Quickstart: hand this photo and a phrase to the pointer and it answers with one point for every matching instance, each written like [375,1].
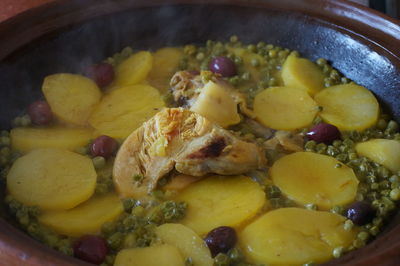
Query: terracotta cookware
[64,36]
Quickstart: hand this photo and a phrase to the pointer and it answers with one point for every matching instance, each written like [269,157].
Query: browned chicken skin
[179,139]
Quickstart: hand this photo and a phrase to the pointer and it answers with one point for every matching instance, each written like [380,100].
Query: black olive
[360,213]
[221,240]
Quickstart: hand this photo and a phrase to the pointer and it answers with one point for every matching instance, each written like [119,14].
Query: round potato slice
[311,178]
[348,106]
[71,97]
[52,179]
[229,200]
[294,236]
[285,108]
[301,73]
[134,69]
[87,218]
[125,109]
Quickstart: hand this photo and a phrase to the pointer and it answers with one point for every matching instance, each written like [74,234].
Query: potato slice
[165,64]
[165,255]
[311,178]
[187,241]
[86,218]
[284,108]
[216,104]
[383,151]
[294,236]
[52,179]
[301,73]
[26,139]
[218,200]
[133,70]
[71,97]
[125,109]
[348,106]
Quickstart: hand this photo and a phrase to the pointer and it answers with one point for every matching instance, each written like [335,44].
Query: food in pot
[215,154]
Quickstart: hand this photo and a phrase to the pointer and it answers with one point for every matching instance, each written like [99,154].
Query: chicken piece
[285,140]
[181,139]
[186,87]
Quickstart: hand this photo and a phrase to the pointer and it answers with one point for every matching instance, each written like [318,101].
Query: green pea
[251,48]
[246,76]
[374,230]
[321,62]
[344,80]
[337,252]
[238,60]
[25,121]
[115,240]
[127,51]
[395,194]
[269,46]
[221,260]
[235,254]
[381,124]
[234,39]
[200,56]
[272,53]
[4,140]
[82,150]
[255,62]
[363,236]
[348,225]
[321,147]
[310,144]
[311,206]
[261,45]
[99,162]
[234,80]
[392,127]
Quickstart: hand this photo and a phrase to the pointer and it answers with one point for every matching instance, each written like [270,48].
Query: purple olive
[40,113]
[360,213]
[91,248]
[221,240]
[104,146]
[223,65]
[323,132]
[103,74]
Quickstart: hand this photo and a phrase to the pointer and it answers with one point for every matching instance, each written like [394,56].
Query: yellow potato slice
[52,179]
[311,178]
[133,70]
[27,139]
[86,218]
[71,97]
[125,109]
[165,64]
[216,104]
[187,241]
[165,255]
[301,73]
[218,200]
[349,107]
[294,236]
[383,151]
[285,108]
